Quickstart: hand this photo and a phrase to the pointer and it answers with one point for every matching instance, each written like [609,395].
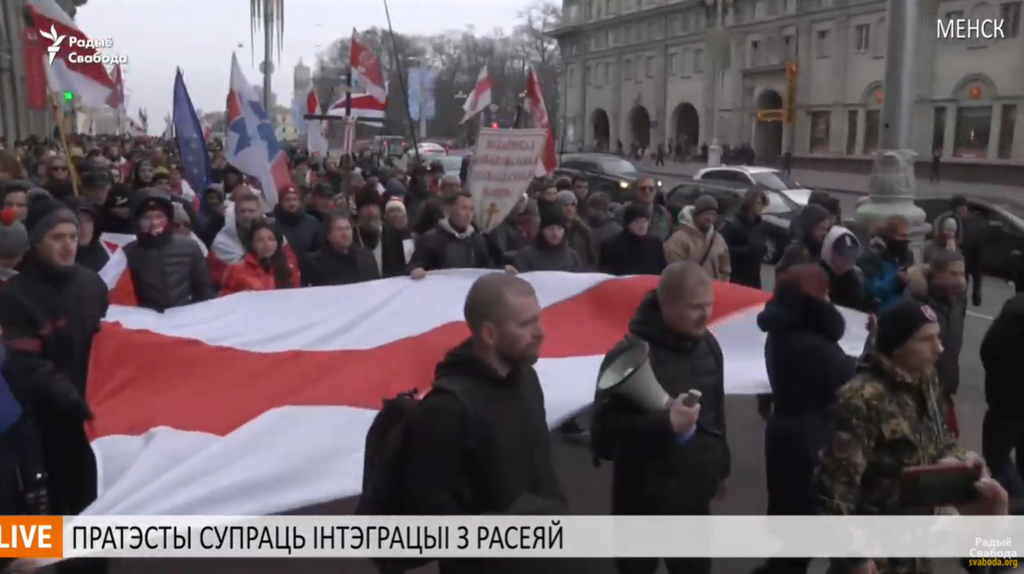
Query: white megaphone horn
[630,376]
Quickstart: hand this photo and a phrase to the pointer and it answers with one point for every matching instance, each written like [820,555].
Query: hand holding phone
[692,398]
[944,484]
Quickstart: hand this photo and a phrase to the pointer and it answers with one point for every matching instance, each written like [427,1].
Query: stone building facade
[639,71]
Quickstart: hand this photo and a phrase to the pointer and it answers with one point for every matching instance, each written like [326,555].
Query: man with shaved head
[673,461]
[478,443]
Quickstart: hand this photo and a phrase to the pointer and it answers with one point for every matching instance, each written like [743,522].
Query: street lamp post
[892,178]
[716,11]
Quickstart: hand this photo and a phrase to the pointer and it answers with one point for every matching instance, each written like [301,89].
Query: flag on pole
[195,161]
[143,121]
[316,139]
[251,143]
[479,98]
[534,103]
[366,70]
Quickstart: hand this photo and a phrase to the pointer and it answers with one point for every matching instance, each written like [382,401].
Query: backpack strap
[479,492]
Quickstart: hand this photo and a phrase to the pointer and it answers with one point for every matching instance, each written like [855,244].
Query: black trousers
[673,565]
[1001,434]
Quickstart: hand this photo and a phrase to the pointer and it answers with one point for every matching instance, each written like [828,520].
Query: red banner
[35,74]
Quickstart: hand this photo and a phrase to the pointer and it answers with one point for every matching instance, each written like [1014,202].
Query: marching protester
[339,261]
[321,200]
[265,266]
[517,230]
[634,251]
[91,253]
[15,196]
[696,239]
[644,193]
[1002,430]
[886,262]
[13,243]
[49,313]
[599,217]
[453,244]
[382,241]
[302,230]
[167,270]
[577,234]
[744,239]
[581,189]
[550,251]
[675,461]
[839,254]
[942,285]
[801,322]
[968,236]
[890,416]
[486,393]
[809,229]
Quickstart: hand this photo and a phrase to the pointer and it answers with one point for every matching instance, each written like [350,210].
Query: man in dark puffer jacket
[167,270]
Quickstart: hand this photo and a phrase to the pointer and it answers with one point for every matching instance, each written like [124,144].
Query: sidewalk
[1010,197]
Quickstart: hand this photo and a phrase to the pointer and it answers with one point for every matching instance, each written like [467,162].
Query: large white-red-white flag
[253,386]
[366,109]
[316,130]
[534,104]
[89,81]
[365,67]
[479,98]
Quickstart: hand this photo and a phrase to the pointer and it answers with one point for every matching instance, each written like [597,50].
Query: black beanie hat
[551,216]
[367,196]
[155,202]
[899,323]
[44,215]
[811,215]
[634,211]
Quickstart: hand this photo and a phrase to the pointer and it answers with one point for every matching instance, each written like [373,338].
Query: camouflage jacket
[882,422]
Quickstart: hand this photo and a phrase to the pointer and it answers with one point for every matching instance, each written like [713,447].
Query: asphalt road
[588,488]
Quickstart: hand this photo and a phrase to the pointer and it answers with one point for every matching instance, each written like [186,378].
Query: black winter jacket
[1002,356]
[303,231]
[442,248]
[167,271]
[329,267]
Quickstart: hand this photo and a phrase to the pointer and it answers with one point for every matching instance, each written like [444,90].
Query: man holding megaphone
[660,411]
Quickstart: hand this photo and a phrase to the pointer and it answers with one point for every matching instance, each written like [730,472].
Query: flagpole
[59,113]
[401,82]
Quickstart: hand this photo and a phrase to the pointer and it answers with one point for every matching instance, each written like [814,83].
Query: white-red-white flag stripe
[211,408]
[479,98]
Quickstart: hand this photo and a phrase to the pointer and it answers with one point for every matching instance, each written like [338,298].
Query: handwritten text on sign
[503,165]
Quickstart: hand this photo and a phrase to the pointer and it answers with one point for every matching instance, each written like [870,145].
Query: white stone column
[862,117]
[993,132]
[949,140]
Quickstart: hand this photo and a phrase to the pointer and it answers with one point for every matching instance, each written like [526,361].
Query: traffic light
[494,125]
[792,72]
[68,96]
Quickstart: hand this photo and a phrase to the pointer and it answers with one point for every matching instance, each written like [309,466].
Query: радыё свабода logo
[96,57]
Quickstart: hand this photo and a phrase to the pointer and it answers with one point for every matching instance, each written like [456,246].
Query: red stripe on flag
[140,380]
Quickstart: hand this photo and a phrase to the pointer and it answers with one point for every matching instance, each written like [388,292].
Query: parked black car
[604,172]
[775,220]
[1002,240]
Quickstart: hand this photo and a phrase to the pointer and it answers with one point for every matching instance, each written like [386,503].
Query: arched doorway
[602,128]
[640,126]
[768,135]
[686,126]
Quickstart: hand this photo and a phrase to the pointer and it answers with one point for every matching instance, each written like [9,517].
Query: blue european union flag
[195,161]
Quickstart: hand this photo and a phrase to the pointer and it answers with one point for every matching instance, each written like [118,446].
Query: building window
[698,61]
[684,64]
[862,37]
[973,124]
[588,10]
[872,130]
[638,74]
[939,131]
[672,63]
[790,42]
[819,131]
[607,72]
[824,41]
[1006,127]
[673,24]
[755,54]
[590,75]
[652,31]
[851,132]
[636,33]
[649,66]
[774,7]
[627,69]
[1010,13]
[954,15]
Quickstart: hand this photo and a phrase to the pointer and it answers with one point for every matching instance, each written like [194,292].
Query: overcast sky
[157,36]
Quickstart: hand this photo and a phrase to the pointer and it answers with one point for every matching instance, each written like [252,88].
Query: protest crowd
[360,219]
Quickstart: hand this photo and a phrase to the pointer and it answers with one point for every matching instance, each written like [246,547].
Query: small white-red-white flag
[316,138]
[479,98]
[535,105]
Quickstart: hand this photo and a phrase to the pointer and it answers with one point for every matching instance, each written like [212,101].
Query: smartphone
[692,398]
[938,485]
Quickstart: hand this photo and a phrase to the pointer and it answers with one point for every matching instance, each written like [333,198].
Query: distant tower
[303,78]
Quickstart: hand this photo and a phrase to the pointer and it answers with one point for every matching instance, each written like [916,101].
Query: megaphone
[630,376]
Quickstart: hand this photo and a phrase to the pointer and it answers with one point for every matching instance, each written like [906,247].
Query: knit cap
[704,203]
[899,323]
[43,216]
[634,211]
[13,236]
[565,197]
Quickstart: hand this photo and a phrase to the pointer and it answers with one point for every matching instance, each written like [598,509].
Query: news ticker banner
[55,537]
